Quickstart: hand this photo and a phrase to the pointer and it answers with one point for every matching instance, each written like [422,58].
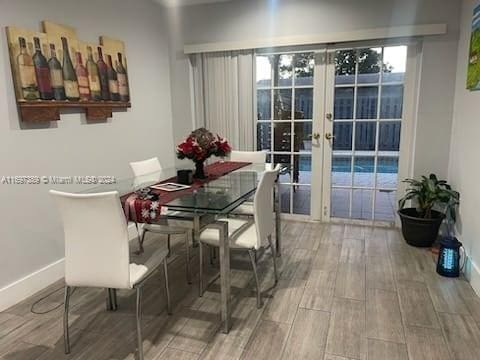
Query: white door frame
[405,166]
[319,93]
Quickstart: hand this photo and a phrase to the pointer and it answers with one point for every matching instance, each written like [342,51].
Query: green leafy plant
[432,194]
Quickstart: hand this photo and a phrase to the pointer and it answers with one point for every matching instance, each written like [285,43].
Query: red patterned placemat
[147,211]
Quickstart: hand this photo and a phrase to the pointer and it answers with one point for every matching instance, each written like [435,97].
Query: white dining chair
[149,171]
[246,209]
[97,251]
[247,235]
[254,157]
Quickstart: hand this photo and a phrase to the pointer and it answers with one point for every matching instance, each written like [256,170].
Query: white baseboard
[472,273]
[30,284]
[40,279]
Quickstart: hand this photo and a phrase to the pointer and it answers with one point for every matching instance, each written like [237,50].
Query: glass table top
[216,196]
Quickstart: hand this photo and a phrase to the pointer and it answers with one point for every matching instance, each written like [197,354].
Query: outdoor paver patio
[362,201]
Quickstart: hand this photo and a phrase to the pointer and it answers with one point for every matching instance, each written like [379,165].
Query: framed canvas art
[473,72]
[52,69]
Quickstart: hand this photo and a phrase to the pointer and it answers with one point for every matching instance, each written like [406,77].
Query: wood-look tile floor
[345,292]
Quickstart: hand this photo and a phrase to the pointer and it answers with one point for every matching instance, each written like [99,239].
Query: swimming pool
[386,165]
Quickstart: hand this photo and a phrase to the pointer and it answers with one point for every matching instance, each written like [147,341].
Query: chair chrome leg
[111,300]
[138,230]
[167,287]
[66,337]
[257,282]
[188,234]
[139,322]
[211,255]
[140,242]
[200,274]
[274,256]
[169,245]
[114,299]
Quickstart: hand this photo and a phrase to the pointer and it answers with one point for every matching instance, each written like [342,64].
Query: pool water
[366,165]
[386,165]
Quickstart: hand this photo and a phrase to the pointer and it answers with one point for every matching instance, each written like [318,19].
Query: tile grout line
[436,313]
[404,326]
[250,338]
[298,306]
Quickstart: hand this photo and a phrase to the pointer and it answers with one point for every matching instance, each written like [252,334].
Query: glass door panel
[363,153]
[285,106]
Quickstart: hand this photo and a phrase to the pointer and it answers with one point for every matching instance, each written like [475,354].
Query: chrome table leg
[196,230]
[200,273]
[278,223]
[224,256]
[188,237]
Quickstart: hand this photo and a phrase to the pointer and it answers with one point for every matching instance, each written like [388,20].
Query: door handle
[329,136]
[316,136]
[329,116]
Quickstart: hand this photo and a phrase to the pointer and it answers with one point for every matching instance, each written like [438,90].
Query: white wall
[30,233]
[251,19]
[464,171]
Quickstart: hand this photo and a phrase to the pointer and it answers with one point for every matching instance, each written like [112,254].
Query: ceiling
[173,3]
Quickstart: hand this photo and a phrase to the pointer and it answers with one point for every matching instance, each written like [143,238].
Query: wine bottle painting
[54,66]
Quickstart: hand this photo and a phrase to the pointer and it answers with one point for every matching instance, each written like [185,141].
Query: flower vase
[199,170]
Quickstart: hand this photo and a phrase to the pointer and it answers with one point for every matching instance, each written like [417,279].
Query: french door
[285,119]
[337,117]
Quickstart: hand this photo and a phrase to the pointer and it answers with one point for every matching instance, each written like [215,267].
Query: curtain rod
[328,38]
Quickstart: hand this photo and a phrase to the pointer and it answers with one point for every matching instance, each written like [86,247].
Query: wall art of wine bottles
[53,69]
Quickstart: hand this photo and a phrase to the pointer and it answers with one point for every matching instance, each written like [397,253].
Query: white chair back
[146,170]
[254,157]
[96,240]
[262,206]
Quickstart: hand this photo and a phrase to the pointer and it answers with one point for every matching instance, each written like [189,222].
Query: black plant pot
[419,231]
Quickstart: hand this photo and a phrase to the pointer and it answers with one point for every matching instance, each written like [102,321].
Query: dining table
[202,204]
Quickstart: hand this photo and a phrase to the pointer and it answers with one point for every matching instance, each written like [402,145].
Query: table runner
[148,211]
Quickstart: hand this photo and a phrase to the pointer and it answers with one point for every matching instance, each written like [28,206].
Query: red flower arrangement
[201,144]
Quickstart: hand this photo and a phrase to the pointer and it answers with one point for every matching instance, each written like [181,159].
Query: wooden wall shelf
[45,110]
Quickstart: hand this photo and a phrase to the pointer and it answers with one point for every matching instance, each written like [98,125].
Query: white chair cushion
[136,273]
[163,229]
[247,239]
[245,209]
[139,272]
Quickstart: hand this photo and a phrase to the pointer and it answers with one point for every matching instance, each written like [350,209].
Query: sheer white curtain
[223,95]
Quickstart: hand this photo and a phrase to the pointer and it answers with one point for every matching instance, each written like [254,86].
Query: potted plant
[434,199]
